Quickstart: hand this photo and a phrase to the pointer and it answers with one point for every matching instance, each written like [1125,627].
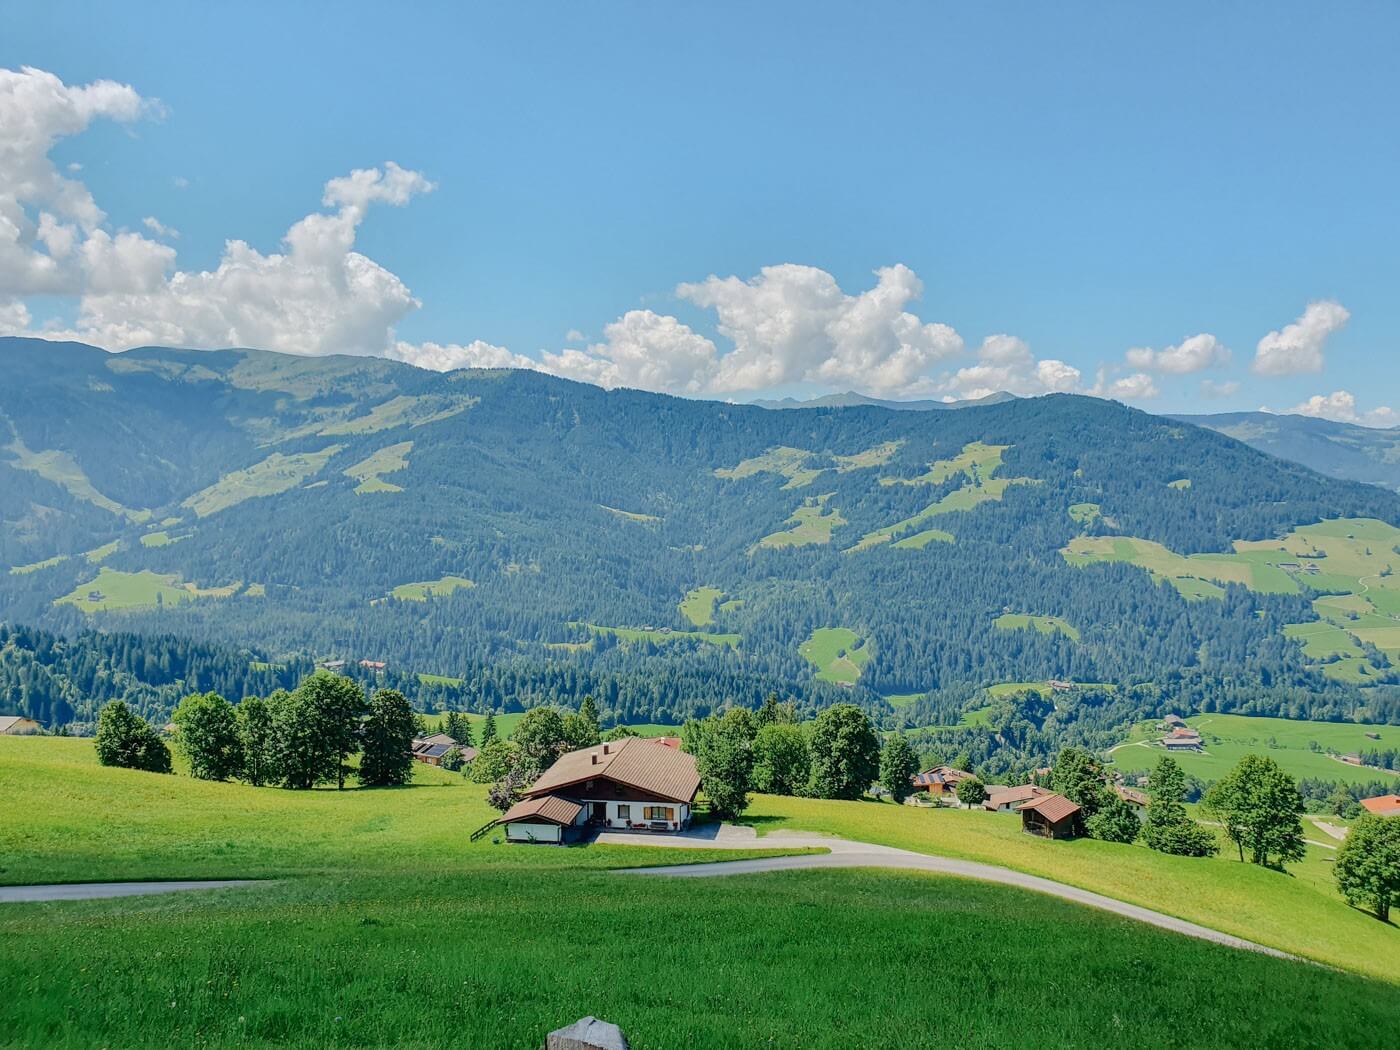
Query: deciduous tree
[1259,806]
[255,731]
[971,792]
[898,764]
[386,758]
[1368,865]
[845,753]
[725,764]
[125,739]
[209,736]
[781,762]
[1168,829]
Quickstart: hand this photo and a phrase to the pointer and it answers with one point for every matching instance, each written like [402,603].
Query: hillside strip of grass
[1296,912]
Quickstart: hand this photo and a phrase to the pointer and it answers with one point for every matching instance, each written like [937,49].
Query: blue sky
[1073,181]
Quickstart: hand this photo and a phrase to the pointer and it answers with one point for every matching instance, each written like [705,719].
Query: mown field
[386,927]
[1228,738]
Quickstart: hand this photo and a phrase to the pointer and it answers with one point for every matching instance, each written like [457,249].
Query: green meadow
[811,523]
[422,590]
[370,471]
[838,654]
[1299,747]
[113,590]
[275,474]
[698,606]
[1043,624]
[386,926]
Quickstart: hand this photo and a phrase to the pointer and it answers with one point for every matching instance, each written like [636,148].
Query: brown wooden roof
[1053,808]
[546,807]
[1012,795]
[638,762]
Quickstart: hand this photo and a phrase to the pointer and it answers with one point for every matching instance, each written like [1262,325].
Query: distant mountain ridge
[851,399]
[518,537]
[1339,450]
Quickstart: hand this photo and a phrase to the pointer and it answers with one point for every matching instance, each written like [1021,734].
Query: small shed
[1052,817]
[545,819]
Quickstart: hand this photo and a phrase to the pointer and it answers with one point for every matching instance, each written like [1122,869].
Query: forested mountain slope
[677,553]
[1342,450]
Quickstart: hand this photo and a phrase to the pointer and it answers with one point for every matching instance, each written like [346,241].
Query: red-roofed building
[1382,805]
[1051,816]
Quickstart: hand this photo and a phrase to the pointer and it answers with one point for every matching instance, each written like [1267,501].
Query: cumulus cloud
[1195,354]
[794,323]
[1224,388]
[1139,386]
[1005,362]
[644,350]
[1298,347]
[1340,405]
[14,317]
[443,357]
[159,228]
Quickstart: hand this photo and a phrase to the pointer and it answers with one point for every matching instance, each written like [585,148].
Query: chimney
[595,758]
[605,749]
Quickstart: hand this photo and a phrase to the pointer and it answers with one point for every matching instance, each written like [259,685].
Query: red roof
[1383,805]
[1053,808]
[548,807]
[638,762]
[1009,797]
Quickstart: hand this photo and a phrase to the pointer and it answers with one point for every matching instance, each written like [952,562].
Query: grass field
[1228,738]
[1043,624]
[698,606]
[98,555]
[370,471]
[838,654]
[161,538]
[63,470]
[422,590]
[876,456]
[138,590]
[811,523]
[629,515]
[920,540]
[1180,483]
[660,636]
[389,928]
[416,411]
[976,460]
[35,566]
[275,474]
[1085,513]
[789,463]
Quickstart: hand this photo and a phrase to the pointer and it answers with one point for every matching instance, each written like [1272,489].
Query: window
[659,813]
[624,812]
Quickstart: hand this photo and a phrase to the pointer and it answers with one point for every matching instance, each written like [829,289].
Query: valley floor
[386,926]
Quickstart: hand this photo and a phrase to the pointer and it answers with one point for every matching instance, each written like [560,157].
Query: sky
[1187,207]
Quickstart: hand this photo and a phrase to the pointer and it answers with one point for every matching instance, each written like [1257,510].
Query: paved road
[847,854]
[84,891]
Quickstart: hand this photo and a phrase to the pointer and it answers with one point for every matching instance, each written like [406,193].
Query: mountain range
[673,555]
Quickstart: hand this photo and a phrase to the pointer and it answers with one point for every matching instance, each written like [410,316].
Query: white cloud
[1136,387]
[159,228]
[179,182]
[1340,405]
[644,350]
[443,357]
[1195,354]
[14,317]
[1224,388]
[793,323]
[1298,347]
[1005,362]
[573,335]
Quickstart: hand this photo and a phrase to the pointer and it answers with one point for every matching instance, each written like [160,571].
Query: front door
[597,812]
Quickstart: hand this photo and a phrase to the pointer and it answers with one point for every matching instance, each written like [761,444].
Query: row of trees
[294,739]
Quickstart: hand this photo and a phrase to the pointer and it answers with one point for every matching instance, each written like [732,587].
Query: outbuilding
[545,819]
[1051,816]
[18,725]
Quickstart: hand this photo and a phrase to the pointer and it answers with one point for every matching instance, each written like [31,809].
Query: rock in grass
[587,1033]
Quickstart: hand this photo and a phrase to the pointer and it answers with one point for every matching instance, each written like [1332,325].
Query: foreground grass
[387,927]
[1298,912]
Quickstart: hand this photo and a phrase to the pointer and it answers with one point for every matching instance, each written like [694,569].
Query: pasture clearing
[111,590]
[661,635]
[629,515]
[877,456]
[64,471]
[811,523]
[1043,624]
[276,474]
[98,555]
[422,590]
[784,461]
[698,606]
[405,410]
[36,566]
[1085,513]
[838,654]
[370,471]
[977,460]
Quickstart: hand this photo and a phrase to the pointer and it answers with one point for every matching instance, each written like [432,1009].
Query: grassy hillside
[389,928]
[1299,747]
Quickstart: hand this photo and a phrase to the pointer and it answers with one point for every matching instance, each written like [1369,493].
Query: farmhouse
[1051,816]
[1382,805]
[1182,739]
[634,784]
[1173,721]
[17,725]
[1007,800]
[431,749]
[940,781]
[372,665]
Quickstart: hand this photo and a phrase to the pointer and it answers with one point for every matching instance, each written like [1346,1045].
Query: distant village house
[431,749]
[1382,805]
[940,781]
[18,725]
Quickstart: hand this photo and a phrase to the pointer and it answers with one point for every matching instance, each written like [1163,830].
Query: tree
[971,792]
[541,738]
[1078,776]
[386,758]
[775,713]
[1259,805]
[492,761]
[588,711]
[209,736]
[505,792]
[781,762]
[725,764]
[619,733]
[845,753]
[126,740]
[453,760]
[898,764]
[1168,828]
[305,756]
[581,727]
[458,727]
[488,728]
[1368,865]
[255,732]
[335,704]
[1114,820]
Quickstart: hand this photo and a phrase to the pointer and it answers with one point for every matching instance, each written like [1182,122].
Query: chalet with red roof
[1382,805]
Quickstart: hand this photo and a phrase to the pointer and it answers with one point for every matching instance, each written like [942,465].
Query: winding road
[847,854]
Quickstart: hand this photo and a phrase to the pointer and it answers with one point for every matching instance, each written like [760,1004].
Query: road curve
[847,854]
[86,891]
